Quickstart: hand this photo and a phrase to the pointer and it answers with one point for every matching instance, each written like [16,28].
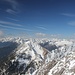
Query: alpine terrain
[20,56]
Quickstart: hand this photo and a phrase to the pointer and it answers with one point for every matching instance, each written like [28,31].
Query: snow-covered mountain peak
[39,57]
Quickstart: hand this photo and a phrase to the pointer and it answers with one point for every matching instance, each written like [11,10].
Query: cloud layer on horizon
[40,34]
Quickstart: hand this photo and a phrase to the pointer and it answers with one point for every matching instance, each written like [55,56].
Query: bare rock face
[45,68]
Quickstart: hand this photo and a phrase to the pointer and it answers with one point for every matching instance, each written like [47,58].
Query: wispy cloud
[13,3]
[72,23]
[9,23]
[11,11]
[13,6]
[69,15]
[15,28]
[12,19]
[1,33]
[40,27]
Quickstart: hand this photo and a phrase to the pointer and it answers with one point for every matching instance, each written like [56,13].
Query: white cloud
[40,34]
[15,28]
[9,23]
[11,11]
[1,33]
[40,27]
[12,19]
[72,23]
[49,35]
[55,35]
[69,15]
[13,6]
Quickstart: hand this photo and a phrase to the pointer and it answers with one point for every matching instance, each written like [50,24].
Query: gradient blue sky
[54,17]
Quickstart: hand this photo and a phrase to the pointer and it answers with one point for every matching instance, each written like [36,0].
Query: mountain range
[20,56]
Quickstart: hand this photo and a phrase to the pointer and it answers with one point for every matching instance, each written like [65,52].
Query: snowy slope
[40,57]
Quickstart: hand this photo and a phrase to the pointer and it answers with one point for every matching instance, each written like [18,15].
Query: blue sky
[51,17]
